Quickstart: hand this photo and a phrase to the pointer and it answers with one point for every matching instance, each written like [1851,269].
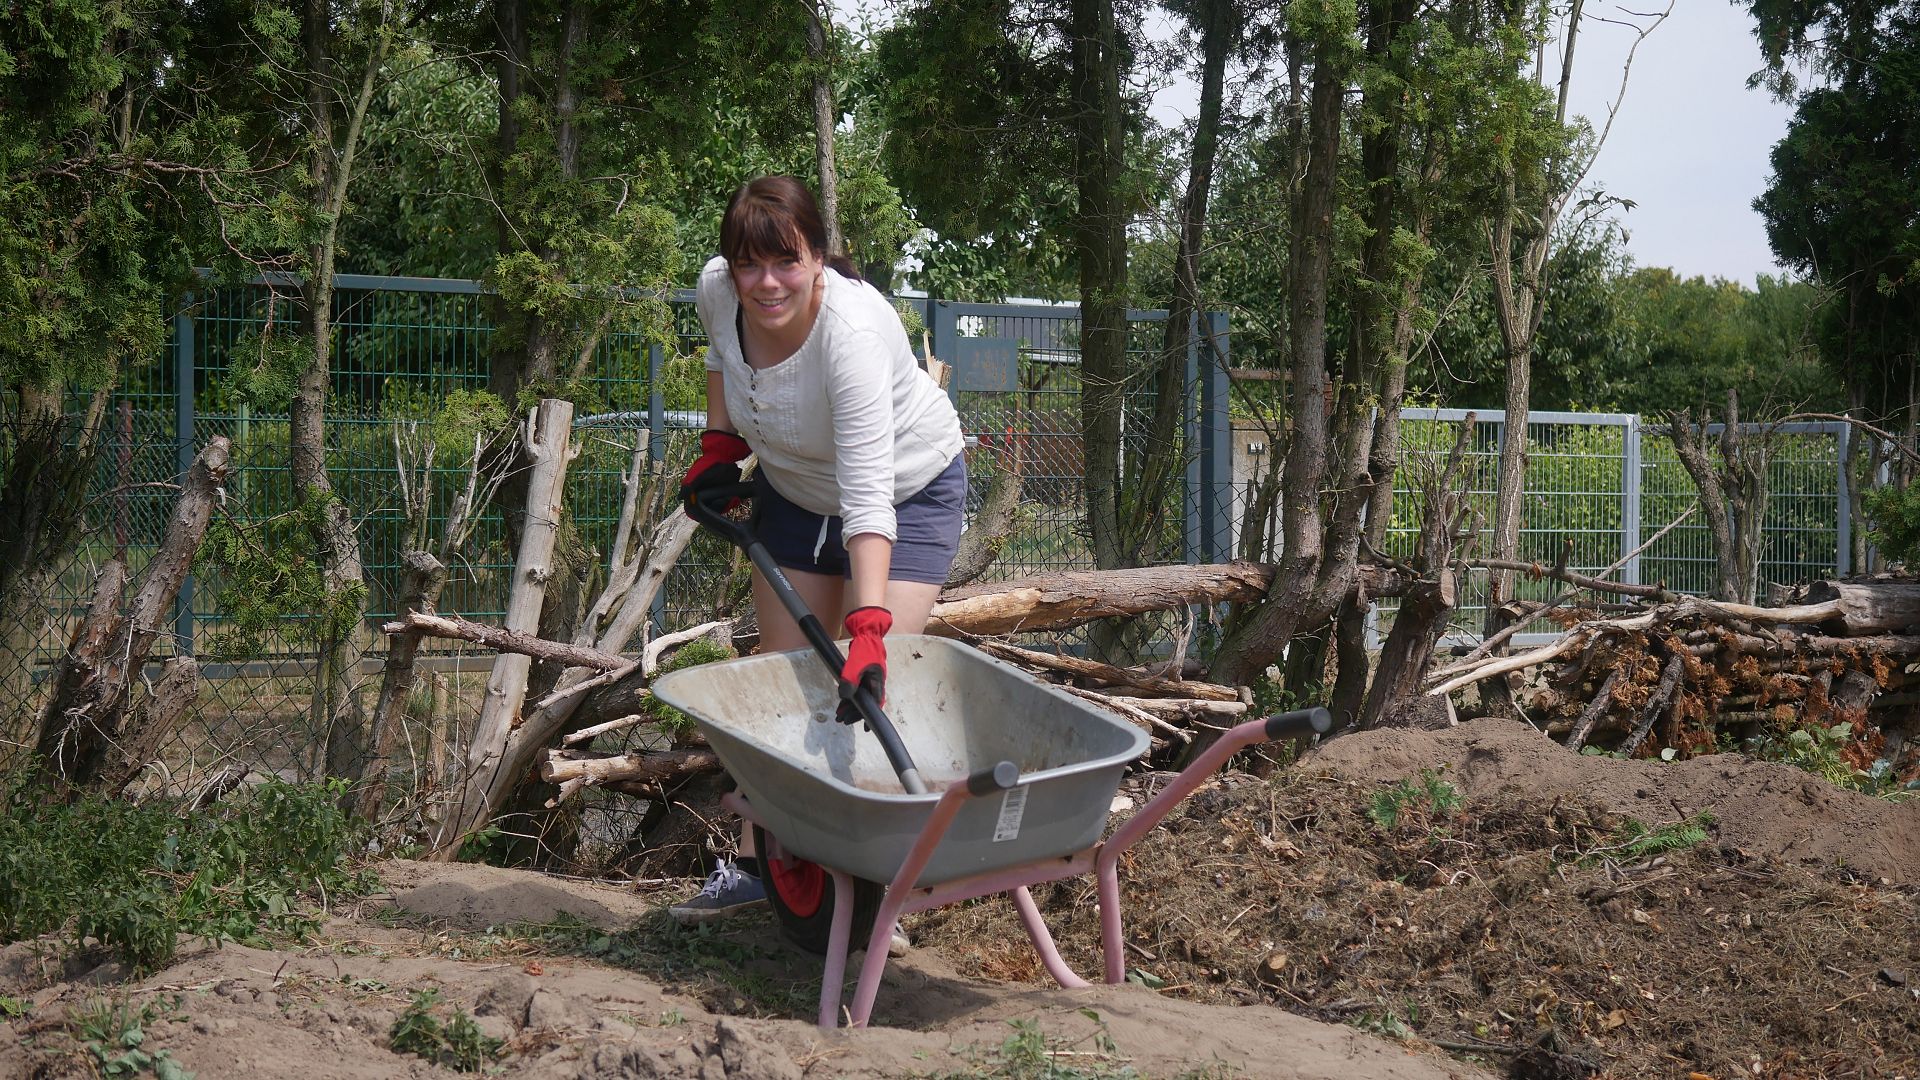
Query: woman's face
[777,292]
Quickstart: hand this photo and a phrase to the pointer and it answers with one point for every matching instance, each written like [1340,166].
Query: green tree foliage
[1843,206]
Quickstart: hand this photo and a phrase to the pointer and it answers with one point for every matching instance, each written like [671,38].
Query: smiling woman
[861,483]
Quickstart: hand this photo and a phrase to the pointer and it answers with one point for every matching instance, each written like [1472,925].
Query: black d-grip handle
[708,507]
[998,778]
[1316,721]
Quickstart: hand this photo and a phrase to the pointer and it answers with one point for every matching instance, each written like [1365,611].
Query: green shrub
[1893,517]
[132,878]
[693,653]
[455,1042]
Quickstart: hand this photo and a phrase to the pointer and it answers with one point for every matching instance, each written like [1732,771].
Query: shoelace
[724,877]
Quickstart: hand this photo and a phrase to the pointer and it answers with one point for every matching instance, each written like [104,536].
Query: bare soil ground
[1277,930]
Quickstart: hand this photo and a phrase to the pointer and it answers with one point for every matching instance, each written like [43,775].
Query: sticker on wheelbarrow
[1013,807]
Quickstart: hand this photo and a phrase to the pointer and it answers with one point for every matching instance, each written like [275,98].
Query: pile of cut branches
[1680,676]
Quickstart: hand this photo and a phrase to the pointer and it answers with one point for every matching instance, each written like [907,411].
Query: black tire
[801,893]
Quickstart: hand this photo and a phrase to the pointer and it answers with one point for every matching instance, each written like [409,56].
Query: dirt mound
[1765,809]
[616,991]
[1475,891]
[1503,907]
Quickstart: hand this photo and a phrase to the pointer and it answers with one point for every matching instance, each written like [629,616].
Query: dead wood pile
[1680,676]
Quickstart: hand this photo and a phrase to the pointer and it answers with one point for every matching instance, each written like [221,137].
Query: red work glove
[866,660]
[717,466]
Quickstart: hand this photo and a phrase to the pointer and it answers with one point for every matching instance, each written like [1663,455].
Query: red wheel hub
[802,885]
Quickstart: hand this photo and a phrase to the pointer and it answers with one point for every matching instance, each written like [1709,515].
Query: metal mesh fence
[401,347]
[1598,483]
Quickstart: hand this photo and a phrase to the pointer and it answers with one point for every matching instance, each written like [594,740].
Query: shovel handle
[706,507]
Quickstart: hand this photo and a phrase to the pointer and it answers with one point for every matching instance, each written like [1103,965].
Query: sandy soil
[1284,934]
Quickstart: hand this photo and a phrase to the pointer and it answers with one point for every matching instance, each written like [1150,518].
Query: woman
[861,483]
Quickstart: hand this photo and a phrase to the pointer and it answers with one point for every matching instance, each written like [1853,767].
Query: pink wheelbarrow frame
[904,897]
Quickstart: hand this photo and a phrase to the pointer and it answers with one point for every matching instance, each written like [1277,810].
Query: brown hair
[777,215]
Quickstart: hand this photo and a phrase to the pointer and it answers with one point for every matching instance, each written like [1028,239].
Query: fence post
[1216,441]
[656,455]
[1843,535]
[183,424]
[1630,501]
[1193,491]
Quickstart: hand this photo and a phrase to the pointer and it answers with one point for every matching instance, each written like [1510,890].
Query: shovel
[707,508]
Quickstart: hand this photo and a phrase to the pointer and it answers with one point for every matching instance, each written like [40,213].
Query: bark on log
[87,713]
[425,578]
[1071,598]
[1656,704]
[1870,607]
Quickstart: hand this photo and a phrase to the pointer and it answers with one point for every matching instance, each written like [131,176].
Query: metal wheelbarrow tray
[1020,778]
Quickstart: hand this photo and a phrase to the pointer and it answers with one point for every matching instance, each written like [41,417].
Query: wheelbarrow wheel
[801,893]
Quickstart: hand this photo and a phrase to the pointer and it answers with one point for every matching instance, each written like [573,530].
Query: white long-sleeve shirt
[849,424]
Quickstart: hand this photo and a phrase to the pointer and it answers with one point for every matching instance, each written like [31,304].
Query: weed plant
[1635,840]
[455,1042]
[113,1033]
[1426,802]
[131,878]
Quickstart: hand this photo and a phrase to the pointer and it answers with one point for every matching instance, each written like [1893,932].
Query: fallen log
[508,641]
[1657,703]
[1869,607]
[1602,701]
[497,756]
[574,769]
[1071,598]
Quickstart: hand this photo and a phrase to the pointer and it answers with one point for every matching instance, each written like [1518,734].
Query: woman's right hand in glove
[717,466]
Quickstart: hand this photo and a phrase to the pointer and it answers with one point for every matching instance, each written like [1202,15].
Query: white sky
[1690,143]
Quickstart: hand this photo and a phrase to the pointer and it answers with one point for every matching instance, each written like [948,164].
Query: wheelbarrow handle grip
[999,777]
[1316,721]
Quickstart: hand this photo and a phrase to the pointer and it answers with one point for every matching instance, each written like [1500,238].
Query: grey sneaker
[728,890]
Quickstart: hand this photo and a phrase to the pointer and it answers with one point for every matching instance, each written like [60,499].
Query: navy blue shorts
[928,524]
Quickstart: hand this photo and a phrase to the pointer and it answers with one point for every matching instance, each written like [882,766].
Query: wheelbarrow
[1017,781]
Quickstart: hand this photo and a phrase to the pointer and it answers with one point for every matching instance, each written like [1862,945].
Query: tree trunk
[426,576]
[86,716]
[1100,246]
[1297,597]
[1153,492]
[1424,615]
[496,761]
[336,703]
[42,512]
[818,20]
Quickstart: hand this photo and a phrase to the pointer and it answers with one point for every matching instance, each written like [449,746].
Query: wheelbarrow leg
[1043,940]
[1106,863]
[834,975]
